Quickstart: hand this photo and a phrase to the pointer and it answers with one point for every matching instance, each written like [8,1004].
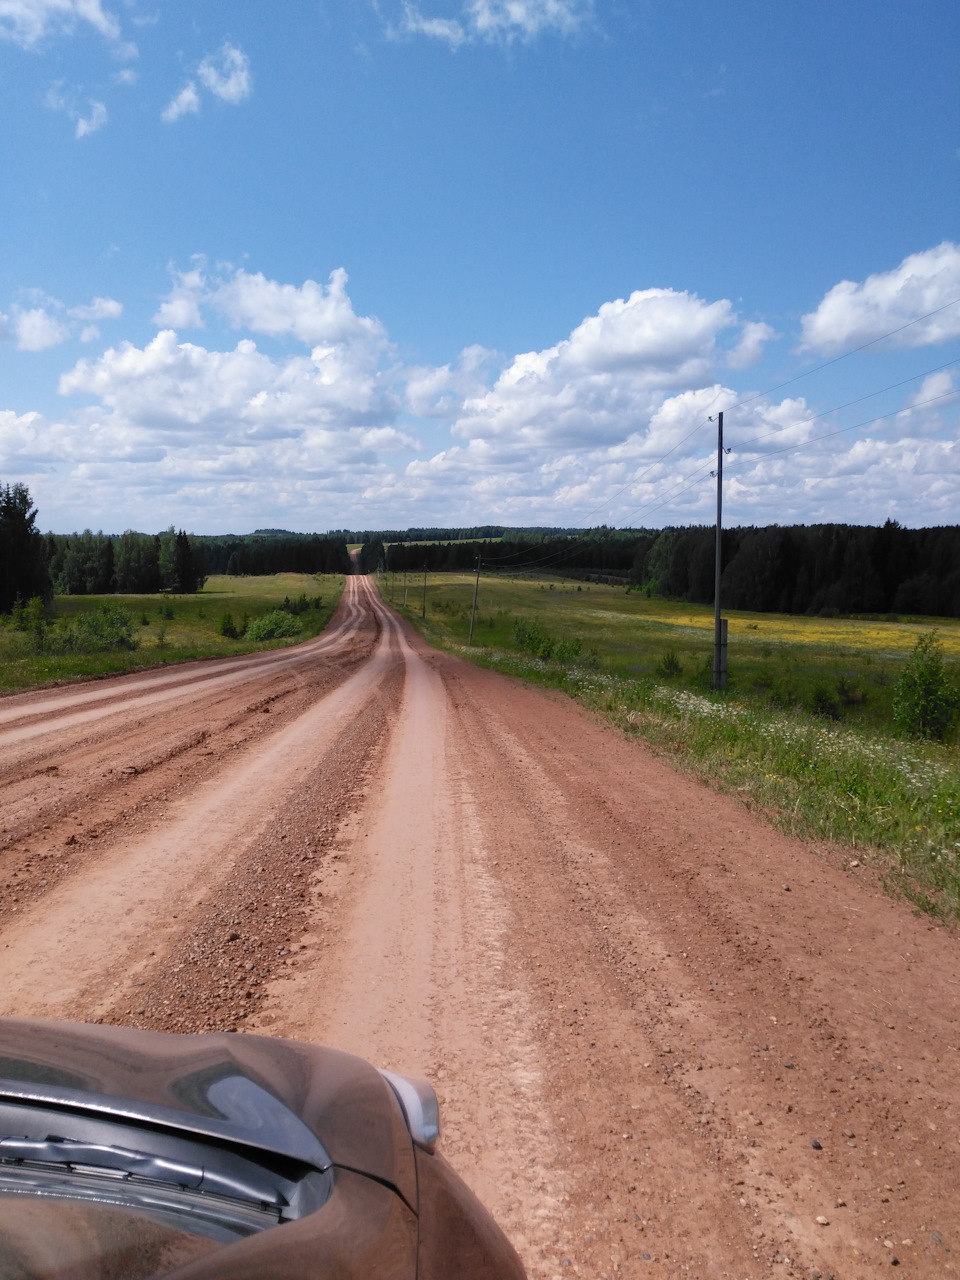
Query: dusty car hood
[313,1104]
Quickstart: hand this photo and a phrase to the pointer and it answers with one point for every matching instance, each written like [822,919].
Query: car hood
[312,1104]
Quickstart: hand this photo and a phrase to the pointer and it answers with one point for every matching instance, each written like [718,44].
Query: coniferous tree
[23,559]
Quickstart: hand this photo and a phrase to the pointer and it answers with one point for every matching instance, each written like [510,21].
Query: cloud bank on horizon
[518,187]
[600,426]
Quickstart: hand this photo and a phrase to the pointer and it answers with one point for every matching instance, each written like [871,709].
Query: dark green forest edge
[826,570]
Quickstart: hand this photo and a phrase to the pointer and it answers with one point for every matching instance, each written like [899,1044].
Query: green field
[191,632]
[804,731]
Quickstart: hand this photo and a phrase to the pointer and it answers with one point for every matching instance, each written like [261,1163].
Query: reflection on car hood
[312,1104]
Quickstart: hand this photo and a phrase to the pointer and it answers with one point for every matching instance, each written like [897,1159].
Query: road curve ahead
[667,1040]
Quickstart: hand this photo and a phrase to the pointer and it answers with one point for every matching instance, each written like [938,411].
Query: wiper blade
[94,1157]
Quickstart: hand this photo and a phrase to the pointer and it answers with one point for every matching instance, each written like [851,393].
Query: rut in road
[640,1006]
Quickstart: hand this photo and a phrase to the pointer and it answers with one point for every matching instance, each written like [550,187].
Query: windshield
[47,1238]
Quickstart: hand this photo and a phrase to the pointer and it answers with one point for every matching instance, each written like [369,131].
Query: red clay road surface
[666,1039]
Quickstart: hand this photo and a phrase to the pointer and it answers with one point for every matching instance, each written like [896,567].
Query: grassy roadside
[839,775]
[191,632]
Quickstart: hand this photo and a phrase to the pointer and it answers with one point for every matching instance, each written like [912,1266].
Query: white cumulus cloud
[314,314]
[610,374]
[508,19]
[37,330]
[851,314]
[62,98]
[48,323]
[99,309]
[440,391]
[227,74]
[756,334]
[934,387]
[180,309]
[186,102]
[449,30]
[25,22]
[498,20]
[94,121]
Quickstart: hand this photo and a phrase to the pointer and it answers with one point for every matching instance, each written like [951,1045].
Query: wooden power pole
[719,624]
[476,588]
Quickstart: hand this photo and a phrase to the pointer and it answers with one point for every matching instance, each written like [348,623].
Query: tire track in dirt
[69,949]
[64,801]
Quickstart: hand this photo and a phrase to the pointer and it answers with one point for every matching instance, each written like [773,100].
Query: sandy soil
[667,1040]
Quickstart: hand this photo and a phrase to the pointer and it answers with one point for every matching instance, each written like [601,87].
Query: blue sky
[380,264]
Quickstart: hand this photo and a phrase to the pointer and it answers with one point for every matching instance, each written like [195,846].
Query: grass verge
[839,776]
[170,629]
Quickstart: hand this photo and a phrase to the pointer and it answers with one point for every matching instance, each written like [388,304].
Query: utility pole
[719,624]
[476,588]
[423,611]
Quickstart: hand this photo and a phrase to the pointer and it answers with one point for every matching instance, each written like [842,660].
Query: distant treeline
[275,551]
[813,569]
[482,532]
[86,564]
[98,563]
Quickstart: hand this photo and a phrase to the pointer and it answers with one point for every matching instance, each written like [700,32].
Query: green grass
[192,632]
[842,777]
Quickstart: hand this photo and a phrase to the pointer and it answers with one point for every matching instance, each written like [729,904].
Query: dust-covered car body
[141,1154]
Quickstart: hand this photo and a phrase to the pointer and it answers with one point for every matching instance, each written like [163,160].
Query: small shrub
[108,627]
[18,615]
[568,650]
[273,626]
[227,627]
[530,637]
[301,605]
[783,694]
[850,694]
[824,703]
[925,702]
[669,666]
[144,620]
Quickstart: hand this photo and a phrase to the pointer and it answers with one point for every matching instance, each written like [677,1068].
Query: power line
[703,469]
[827,435]
[849,404]
[558,556]
[739,402]
[836,359]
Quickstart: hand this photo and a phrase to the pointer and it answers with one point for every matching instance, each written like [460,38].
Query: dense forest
[815,569]
[275,551]
[85,564]
[436,533]
[89,563]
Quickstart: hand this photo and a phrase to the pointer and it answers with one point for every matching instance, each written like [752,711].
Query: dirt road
[667,1040]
